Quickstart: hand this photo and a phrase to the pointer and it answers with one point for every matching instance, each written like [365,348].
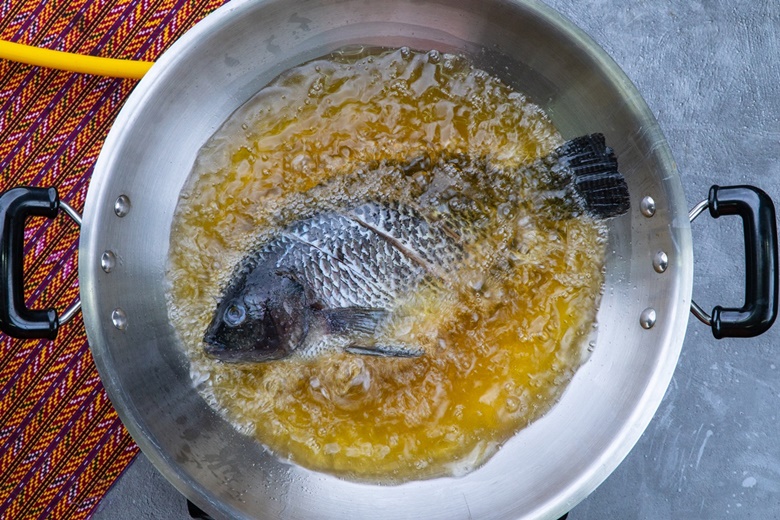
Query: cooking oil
[503,333]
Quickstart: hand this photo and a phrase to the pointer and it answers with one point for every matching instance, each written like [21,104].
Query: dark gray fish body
[329,274]
[338,274]
[366,257]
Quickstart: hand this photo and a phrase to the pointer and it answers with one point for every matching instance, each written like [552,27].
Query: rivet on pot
[647,318]
[119,318]
[108,261]
[122,206]
[660,262]
[647,206]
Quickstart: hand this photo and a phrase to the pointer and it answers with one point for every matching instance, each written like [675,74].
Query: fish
[331,279]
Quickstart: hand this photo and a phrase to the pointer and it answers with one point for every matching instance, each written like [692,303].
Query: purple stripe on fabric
[55,44]
[82,350]
[92,503]
[56,41]
[44,283]
[39,120]
[31,17]
[44,456]
[111,86]
[151,40]
[80,469]
[68,141]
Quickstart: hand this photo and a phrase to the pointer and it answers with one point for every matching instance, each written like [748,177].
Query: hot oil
[503,333]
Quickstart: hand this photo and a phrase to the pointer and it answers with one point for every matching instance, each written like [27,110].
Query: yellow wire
[73,62]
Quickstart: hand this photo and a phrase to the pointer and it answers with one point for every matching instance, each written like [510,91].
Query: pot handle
[16,319]
[761,273]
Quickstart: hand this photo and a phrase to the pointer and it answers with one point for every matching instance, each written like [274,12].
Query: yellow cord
[73,62]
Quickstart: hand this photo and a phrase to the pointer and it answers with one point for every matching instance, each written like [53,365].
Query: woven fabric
[61,443]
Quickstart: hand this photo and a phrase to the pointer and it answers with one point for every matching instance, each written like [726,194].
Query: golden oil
[503,336]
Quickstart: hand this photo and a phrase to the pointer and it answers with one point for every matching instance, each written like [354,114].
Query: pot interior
[546,468]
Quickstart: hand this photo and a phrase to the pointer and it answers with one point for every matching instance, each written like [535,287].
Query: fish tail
[600,189]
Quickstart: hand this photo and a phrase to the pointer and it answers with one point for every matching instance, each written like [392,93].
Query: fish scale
[332,283]
[346,272]
[337,275]
[420,239]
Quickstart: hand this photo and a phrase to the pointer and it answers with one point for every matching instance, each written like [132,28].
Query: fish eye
[235,315]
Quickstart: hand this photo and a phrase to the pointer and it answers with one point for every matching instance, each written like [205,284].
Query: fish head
[258,323]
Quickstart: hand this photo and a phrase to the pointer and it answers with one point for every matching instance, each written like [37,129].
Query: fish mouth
[214,350]
[219,351]
[211,344]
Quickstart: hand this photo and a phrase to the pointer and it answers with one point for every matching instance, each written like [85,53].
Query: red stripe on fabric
[29,367]
[52,126]
[76,473]
[42,456]
[50,463]
[57,43]
[71,80]
[120,457]
[91,435]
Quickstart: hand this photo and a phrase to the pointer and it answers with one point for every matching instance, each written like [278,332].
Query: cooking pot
[545,469]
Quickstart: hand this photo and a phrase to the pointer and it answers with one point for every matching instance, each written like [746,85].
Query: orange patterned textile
[61,443]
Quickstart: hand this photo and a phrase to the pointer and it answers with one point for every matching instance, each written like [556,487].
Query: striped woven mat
[61,443]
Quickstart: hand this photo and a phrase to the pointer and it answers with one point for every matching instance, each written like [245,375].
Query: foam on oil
[503,335]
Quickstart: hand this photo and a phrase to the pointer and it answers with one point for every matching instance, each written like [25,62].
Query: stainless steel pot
[546,468]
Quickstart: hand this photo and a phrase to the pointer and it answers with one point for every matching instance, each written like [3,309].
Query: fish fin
[599,187]
[399,351]
[353,319]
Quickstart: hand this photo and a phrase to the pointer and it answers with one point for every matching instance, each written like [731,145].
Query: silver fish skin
[332,279]
[330,275]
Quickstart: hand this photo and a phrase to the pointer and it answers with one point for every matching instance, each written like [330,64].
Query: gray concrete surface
[710,71]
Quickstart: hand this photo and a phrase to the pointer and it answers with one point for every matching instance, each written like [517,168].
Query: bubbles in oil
[503,335]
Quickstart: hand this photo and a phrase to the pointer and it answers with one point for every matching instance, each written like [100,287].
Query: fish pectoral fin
[399,351]
[353,319]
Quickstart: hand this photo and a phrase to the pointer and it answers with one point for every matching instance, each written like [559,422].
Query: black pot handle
[761,274]
[16,319]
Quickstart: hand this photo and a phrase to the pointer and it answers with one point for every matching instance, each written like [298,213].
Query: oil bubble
[512,404]
[337,156]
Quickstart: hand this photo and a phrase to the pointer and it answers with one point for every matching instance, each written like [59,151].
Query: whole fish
[333,278]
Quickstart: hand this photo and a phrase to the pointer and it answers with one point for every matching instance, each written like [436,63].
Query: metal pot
[546,468]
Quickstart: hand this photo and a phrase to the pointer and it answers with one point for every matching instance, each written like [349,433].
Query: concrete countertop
[709,70]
